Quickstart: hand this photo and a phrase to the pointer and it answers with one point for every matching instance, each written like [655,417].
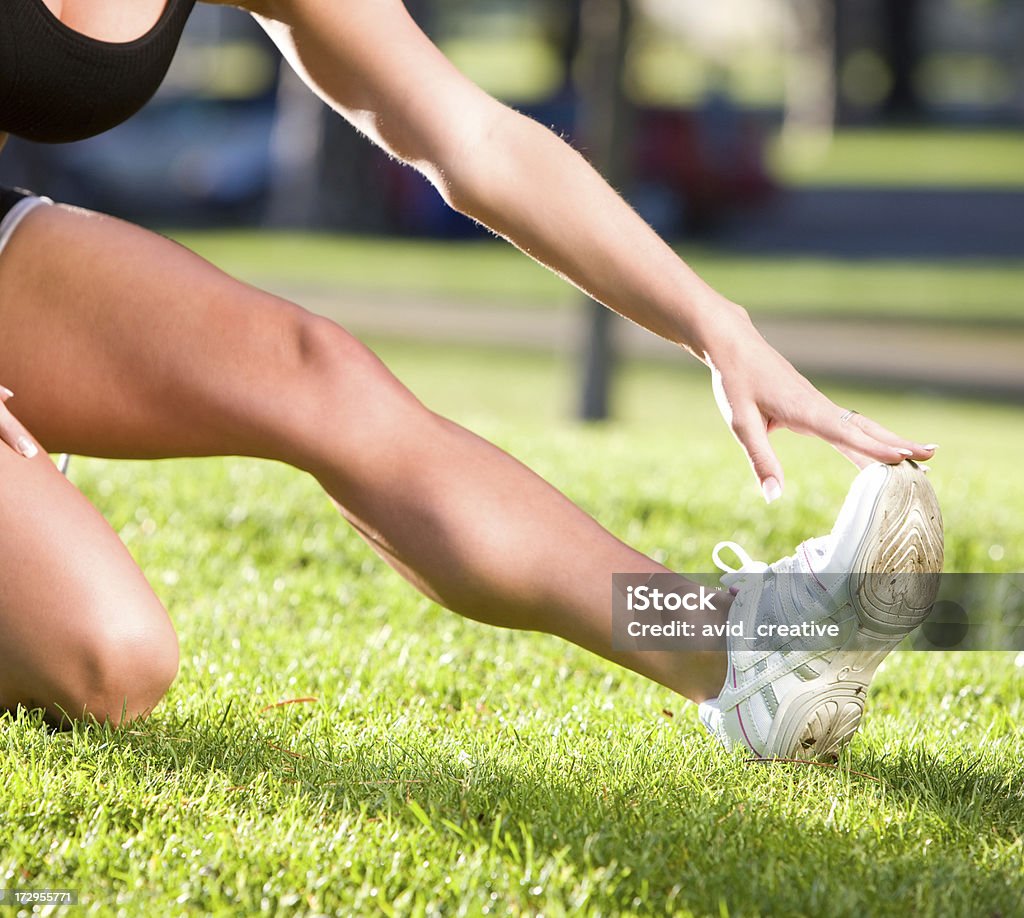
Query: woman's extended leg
[121,343]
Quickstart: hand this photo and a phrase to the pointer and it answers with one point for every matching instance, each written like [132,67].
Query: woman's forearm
[536,191]
[505,170]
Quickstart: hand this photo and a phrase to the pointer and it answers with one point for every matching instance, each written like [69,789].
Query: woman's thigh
[118,342]
[80,629]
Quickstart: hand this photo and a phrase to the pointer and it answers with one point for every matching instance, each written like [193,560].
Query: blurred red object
[711,160]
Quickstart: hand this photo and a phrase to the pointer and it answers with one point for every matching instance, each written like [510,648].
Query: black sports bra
[57,85]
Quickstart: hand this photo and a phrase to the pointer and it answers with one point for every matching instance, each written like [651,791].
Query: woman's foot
[816,625]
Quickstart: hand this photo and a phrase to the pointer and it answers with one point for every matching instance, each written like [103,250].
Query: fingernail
[5,392]
[931,446]
[771,489]
[26,447]
[905,452]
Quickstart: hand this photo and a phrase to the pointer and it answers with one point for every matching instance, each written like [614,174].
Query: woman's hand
[758,391]
[12,432]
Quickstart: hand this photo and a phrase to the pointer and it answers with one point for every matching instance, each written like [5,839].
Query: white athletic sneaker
[874,580]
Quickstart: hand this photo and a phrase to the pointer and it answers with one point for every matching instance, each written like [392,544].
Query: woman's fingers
[749,428]
[854,434]
[884,435]
[12,432]
[748,425]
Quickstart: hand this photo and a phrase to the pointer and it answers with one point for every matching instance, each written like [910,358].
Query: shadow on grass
[921,838]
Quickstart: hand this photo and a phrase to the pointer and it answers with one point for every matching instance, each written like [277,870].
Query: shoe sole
[904,536]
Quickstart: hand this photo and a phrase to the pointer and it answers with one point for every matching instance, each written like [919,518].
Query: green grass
[926,157]
[493,272]
[448,768]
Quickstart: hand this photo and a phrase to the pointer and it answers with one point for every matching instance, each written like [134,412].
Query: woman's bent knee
[130,671]
[334,396]
[83,632]
[117,675]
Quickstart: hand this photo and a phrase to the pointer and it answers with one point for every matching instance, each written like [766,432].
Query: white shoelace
[735,575]
[815,605]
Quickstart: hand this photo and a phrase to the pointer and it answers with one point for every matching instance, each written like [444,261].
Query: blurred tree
[569,46]
[810,100]
[881,46]
[604,29]
[901,49]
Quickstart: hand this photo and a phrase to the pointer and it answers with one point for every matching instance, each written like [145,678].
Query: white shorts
[15,205]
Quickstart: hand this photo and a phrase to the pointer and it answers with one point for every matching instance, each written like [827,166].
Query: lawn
[431,765]
[909,157]
[482,272]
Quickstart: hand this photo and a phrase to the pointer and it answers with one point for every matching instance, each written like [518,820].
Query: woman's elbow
[472,162]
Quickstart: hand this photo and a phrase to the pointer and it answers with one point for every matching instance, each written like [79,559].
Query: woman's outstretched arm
[371,63]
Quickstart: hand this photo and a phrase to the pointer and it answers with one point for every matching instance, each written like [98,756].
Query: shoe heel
[820,722]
